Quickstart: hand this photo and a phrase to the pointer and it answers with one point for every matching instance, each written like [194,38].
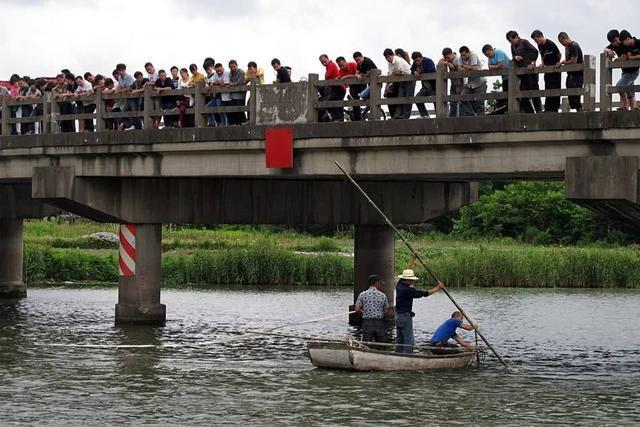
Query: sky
[41,37]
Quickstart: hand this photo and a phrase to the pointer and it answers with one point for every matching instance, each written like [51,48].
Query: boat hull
[344,356]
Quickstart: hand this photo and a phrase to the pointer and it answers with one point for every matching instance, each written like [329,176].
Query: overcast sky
[40,37]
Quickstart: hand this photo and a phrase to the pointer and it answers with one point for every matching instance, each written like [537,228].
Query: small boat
[355,356]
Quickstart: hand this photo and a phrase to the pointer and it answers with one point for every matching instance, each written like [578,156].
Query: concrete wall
[279,104]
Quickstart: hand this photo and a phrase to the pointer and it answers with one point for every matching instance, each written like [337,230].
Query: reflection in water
[575,358]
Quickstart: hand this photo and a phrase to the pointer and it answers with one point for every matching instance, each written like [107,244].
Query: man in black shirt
[630,51]
[550,55]
[525,56]
[575,79]
[282,75]
[365,65]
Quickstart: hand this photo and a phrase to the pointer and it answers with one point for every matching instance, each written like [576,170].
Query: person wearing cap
[405,294]
[373,305]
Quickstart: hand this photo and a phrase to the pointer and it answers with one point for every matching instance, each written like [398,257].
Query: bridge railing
[441,97]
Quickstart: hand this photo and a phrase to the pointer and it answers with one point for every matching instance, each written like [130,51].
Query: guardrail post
[589,85]
[514,88]
[606,80]
[55,113]
[198,105]
[442,88]
[148,108]
[312,98]
[253,103]
[46,113]
[375,95]
[100,125]
[6,113]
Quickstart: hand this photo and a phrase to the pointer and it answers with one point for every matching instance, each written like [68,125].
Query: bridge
[417,170]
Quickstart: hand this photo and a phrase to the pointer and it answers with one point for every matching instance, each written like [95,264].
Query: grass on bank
[266,256]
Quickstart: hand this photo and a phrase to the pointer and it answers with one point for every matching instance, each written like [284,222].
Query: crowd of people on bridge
[69,90]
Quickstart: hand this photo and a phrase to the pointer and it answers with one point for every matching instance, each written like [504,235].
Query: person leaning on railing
[550,56]
[161,85]
[332,93]
[84,107]
[452,61]
[422,65]
[498,60]
[474,85]
[525,56]
[349,70]
[238,99]
[631,52]
[575,79]
[365,65]
[398,66]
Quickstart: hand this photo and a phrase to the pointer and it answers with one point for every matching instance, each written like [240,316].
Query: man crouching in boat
[373,305]
[405,294]
[447,331]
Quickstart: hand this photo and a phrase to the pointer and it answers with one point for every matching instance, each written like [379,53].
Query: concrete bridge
[417,170]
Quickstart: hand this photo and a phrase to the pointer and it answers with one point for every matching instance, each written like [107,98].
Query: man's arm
[435,289]
[463,343]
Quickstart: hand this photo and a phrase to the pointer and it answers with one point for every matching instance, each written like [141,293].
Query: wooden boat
[357,357]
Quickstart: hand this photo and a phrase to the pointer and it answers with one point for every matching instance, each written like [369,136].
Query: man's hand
[518,58]
[531,66]
[440,286]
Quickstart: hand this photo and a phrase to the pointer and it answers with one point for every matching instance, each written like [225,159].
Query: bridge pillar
[374,249]
[11,284]
[139,295]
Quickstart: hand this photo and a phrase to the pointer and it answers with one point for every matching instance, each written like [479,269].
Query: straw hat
[408,275]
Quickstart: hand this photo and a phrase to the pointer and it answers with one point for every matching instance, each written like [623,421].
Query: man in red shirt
[332,93]
[349,70]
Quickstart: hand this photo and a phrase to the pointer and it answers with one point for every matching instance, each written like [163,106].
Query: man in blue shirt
[498,60]
[447,331]
[422,65]
[405,294]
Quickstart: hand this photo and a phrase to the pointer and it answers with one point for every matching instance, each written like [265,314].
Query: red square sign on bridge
[279,148]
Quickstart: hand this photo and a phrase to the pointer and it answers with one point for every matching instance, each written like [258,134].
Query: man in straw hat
[405,294]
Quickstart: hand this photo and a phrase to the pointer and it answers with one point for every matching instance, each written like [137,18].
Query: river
[574,357]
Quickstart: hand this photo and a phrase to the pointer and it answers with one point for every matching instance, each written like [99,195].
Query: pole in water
[418,257]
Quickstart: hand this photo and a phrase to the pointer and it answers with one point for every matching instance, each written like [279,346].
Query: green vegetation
[273,256]
[534,212]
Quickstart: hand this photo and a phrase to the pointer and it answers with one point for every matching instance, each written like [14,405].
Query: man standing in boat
[373,305]
[405,294]
[447,331]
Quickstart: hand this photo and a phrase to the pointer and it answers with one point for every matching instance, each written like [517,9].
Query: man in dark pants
[333,93]
[498,60]
[575,79]
[422,65]
[405,294]
[550,55]
[525,56]
[373,305]
[349,70]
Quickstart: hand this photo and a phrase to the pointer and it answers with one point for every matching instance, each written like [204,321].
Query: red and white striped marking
[127,253]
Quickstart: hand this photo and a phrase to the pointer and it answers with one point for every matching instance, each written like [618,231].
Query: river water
[575,358]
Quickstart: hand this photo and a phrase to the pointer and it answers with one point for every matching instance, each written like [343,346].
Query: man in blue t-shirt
[447,331]
[498,60]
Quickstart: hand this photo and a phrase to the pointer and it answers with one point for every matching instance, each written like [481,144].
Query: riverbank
[58,253]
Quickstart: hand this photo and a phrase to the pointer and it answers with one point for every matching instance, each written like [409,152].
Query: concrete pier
[139,295]
[11,247]
[374,254]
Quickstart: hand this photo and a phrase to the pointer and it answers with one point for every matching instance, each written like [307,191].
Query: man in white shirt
[399,67]
[474,85]
[152,74]
[86,107]
[220,78]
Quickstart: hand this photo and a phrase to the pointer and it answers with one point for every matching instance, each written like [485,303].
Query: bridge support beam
[139,295]
[374,250]
[11,284]
[606,184]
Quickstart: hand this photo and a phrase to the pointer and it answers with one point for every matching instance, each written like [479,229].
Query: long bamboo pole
[419,258]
